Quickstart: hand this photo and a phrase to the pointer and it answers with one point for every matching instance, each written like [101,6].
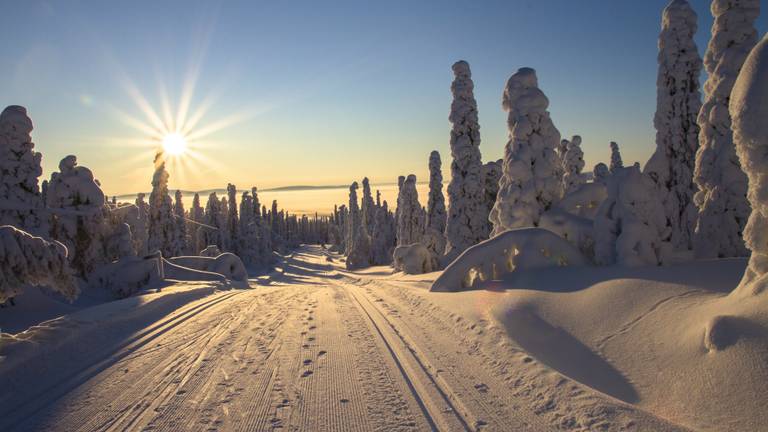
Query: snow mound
[227,264]
[129,275]
[585,200]
[414,259]
[519,249]
[29,260]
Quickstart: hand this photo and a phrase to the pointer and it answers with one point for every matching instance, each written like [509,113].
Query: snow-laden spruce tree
[573,163]
[467,214]
[180,219]
[630,225]
[383,237]
[210,233]
[529,183]
[367,206]
[77,204]
[434,235]
[492,171]
[358,242]
[677,133]
[411,217]
[616,161]
[197,215]
[140,230]
[749,110]
[248,247]
[600,173]
[20,201]
[162,228]
[233,226]
[722,195]
[28,260]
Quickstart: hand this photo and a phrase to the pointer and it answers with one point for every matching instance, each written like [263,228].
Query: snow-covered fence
[512,250]
[29,260]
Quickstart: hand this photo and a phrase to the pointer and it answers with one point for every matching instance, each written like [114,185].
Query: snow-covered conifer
[140,231]
[20,168]
[197,215]
[367,206]
[749,110]
[161,229]
[677,106]
[383,237]
[492,171]
[467,214]
[529,183]
[573,163]
[434,234]
[600,173]
[182,243]
[233,226]
[410,222]
[358,242]
[210,233]
[722,195]
[616,161]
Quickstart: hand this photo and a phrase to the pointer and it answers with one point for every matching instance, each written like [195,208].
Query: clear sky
[319,92]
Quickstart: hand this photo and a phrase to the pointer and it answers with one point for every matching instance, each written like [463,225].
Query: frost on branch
[573,163]
[722,195]
[20,200]
[749,111]
[677,107]
[517,249]
[630,226]
[467,213]
[529,183]
[29,260]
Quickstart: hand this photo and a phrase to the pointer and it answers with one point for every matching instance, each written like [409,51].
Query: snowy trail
[322,350]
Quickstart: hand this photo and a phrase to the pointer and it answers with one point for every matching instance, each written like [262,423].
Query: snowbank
[519,249]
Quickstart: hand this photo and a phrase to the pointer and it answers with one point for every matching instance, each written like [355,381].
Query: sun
[174,144]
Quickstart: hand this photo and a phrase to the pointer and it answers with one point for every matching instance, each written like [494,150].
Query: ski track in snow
[322,350]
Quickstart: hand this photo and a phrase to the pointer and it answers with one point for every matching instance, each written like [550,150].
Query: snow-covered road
[317,350]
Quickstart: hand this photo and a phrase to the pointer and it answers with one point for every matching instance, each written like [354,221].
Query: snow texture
[749,111]
[517,249]
[20,168]
[467,213]
[29,260]
[573,163]
[722,195]
[630,226]
[530,184]
[677,133]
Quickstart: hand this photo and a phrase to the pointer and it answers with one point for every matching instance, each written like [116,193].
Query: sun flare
[174,144]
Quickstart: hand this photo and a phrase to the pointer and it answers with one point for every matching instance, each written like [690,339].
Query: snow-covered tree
[434,236]
[162,229]
[467,214]
[749,110]
[197,215]
[367,206]
[410,222]
[249,242]
[210,233]
[616,161]
[358,242]
[600,173]
[383,238]
[492,171]
[722,195]
[20,200]
[182,242]
[630,226]
[573,163]
[233,227]
[140,230]
[529,183]
[29,260]
[77,204]
[677,106]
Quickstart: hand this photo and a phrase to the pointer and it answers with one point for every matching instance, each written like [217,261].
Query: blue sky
[322,92]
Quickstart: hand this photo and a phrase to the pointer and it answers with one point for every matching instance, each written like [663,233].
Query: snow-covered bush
[576,229]
[677,133]
[516,249]
[630,226]
[77,204]
[467,213]
[414,259]
[410,222]
[227,264]
[600,173]
[128,275]
[161,228]
[29,260]
[616,161]
[585,200]
[573,163]
[530,184]
[722,195]
[20,200]
[749,111]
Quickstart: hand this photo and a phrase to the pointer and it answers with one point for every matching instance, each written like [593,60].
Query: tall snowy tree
[677,106]
[358,242]
[410,222]
[197,215]
[182,243]
[748,108]
[19,171]
[436,215]
[573,163]
[492,171]
[529,183]
[233,228]
[367,206]
[467,214]
[383,238]
[161,229]
[210,234]
[616,161]
[600,173]
[722,195]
